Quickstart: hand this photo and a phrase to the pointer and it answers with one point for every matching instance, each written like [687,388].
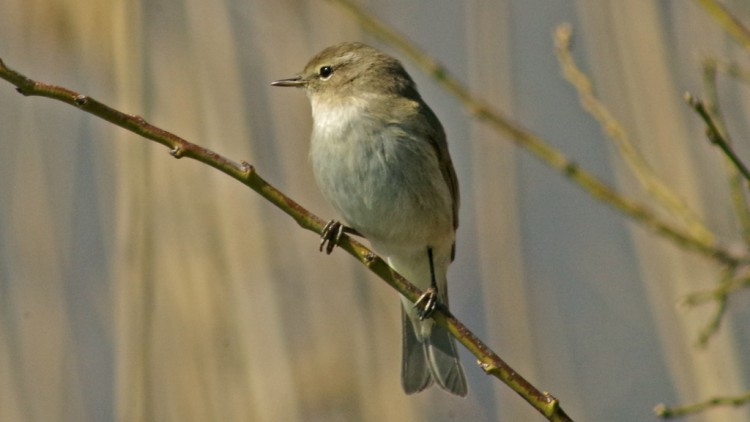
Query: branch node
[138,119]
[370,258]
[81,100]
[177,152]
[552,400]
[247,168]
[571,168]
[487,367]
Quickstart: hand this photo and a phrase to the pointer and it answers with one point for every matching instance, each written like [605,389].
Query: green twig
[715,135]
[730,68]
[665,412]
[721,298]
[726,287]
[738,194]
[726,20]
[712,327]
[730,283]
[490,362]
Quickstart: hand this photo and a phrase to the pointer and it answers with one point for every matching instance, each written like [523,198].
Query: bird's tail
[430,359]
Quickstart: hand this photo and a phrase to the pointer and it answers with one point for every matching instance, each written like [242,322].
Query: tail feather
[415,370]
[432,360]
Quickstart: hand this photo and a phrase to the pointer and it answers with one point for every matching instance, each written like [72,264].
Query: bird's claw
[331,235]
[427,304]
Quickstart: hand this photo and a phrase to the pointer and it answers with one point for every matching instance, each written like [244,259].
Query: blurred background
[136,287]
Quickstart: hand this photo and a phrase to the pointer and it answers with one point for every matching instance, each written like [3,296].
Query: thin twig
[722,300]
[732,69]
[712,327]
[726,287]
[665,412]
[715,136]
[547,154]
[614,131]
[730,283]
[726,20]
[738,194]
[490,362]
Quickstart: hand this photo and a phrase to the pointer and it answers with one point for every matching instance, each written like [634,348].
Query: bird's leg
[332,232]
[428,302]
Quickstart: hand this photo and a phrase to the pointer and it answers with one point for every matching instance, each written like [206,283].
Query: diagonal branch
[726,20]
[665,412]
[715,135]
[490,362]
[712,104]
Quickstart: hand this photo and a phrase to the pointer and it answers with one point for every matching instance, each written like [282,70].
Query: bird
[380,157]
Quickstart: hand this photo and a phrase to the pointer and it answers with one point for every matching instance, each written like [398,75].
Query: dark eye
[325,72]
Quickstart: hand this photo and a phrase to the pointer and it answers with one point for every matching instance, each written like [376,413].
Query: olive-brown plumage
[380,157]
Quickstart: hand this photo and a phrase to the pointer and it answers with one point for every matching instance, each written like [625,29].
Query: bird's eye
[325,72]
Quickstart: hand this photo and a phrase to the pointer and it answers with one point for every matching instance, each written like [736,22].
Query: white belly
[382,181]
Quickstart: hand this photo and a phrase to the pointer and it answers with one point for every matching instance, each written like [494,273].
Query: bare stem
[715,135]
[738,193]
[732,69]
[614,131]
[490,362]
[665,412]
[726,287]
[726,20]
[731,281]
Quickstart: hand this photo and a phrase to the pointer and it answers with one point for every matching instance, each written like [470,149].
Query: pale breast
[384,181]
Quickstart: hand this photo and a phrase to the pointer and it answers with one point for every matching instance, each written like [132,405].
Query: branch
[533,144]
[545,403]
[726,20]
[728,285]
[737,192]
[721,297]
[732,69]
[715,136]
[665,412]
[615,132]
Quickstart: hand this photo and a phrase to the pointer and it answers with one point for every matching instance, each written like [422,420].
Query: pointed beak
[295,82]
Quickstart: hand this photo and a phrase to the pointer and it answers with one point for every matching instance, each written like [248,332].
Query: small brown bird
[380,158]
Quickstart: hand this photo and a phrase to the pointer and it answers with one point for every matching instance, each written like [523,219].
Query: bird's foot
[332,232]
[427,303]
[329,238]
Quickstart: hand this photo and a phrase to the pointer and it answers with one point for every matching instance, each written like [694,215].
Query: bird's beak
[295,82]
